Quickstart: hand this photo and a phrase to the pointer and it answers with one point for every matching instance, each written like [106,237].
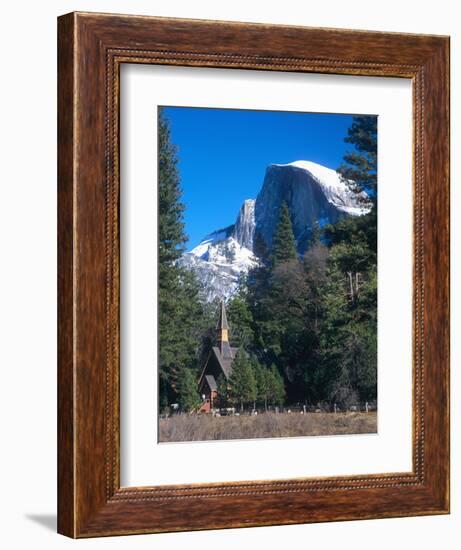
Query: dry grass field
[184,427]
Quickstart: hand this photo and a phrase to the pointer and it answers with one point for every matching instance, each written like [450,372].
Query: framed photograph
[253,275]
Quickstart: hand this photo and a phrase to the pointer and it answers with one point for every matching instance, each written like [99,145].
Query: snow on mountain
[333,186]
[223,257]
[201,250]
[314,195]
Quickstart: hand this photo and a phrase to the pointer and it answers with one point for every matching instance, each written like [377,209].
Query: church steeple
[222,329]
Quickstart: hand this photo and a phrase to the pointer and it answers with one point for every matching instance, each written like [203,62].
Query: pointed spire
[222,329]
[222,321]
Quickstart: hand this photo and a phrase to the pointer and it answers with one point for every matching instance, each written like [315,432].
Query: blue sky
[223,155]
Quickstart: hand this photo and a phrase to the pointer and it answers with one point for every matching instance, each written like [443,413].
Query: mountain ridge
[313,193]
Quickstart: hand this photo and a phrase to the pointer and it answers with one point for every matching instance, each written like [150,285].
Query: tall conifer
[360,166]
[178,290]
[283,242]
[242,384]
[187,390]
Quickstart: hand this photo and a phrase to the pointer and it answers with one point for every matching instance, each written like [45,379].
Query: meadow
[205,427]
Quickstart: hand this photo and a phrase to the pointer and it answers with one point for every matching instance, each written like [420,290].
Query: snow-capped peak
[313,193]
[334,187]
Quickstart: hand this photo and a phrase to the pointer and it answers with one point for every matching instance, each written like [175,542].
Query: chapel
[218,363]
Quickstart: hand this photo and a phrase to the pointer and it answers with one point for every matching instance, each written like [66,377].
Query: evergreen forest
[306,326]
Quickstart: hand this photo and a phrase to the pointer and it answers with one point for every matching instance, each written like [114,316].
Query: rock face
[245,225]
[313,193]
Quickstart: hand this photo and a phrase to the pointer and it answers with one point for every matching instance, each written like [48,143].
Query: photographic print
[267,274]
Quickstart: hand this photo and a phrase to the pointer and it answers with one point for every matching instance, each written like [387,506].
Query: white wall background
[28,271]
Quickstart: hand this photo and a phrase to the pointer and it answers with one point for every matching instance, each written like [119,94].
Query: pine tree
[350,329]
[240,319]
[242,385]
[275,295]
[178,290]
[360,167]
[275,386]
[172,237]
[283,242]
[187,390]
[259,374]
[310,360]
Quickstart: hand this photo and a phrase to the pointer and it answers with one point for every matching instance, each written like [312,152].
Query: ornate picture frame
[91,49]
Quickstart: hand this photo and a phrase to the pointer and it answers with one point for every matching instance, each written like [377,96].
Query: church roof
[225,362]
[211,381]
[222,321]
[222,355]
